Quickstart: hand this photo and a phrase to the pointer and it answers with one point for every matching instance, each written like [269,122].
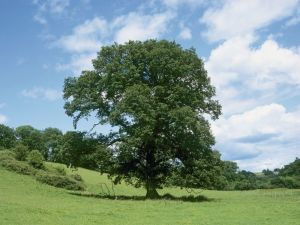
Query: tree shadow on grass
[189,198]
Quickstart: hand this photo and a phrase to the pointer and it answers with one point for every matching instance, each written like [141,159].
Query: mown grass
[26,201]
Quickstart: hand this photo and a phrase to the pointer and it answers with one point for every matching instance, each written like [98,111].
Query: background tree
[52,138]
[157,95]
[32,138]
[81,150]
[73,148]
[292,169]
[21,151]
[230,170]
[7,137]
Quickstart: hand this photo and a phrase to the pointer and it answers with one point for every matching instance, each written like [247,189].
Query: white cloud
[295,19]
[78,63]
[137,26]
[44,93]
[258,138]
[3,118]
[85,37]
[236,18]
[185,32]
[88,37]
[58,6]
[267,119]
[54,7]
[40,19]
[239,69]
[177,3]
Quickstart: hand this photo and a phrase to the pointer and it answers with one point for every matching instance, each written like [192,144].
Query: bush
[245,185]
[60,170]
[7,154]
[76,177]
[286,182]
[59,181]
[17,166]
[21,152]
[35,158]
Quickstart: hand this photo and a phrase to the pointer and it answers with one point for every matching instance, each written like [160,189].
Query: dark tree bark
[151,191]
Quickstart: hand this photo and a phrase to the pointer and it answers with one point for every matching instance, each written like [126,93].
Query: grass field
[25,201]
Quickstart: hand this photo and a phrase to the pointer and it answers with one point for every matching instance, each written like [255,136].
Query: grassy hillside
[24,201]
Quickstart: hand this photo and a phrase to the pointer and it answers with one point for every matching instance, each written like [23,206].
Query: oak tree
[158,97]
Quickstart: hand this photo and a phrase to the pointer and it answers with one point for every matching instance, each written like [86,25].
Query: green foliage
[7,154]
[7,137]
[286,182]
[52,138]
[157,94]
[60,170]
[59,181]
[82,150]
[245,185]
[73,147]
[32,138]
[268,172]
[21,151]
[287,177]
[292,169]
[8,161]
[205,173]
[76,177]
[35,159]
[17,166]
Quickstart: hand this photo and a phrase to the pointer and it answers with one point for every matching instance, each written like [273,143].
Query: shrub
[60,170]
[286,182]
[17,166]
[35,158]
[7,154]
[245,185]
[21,152]
[76,177]
[59,181]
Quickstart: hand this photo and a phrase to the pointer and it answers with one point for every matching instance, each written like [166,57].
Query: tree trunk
[151,192]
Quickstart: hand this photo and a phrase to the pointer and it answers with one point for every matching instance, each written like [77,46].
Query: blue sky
[251,51]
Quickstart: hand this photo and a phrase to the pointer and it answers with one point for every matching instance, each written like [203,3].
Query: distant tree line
[74,148]
[234,179]
[81,149]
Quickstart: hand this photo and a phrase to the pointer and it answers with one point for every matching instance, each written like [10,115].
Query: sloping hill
[25,201]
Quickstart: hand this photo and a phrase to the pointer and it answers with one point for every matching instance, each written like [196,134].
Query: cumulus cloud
[185,32]
[45,7]
[44,93]
[237,68]
[87,38]
[78,63]
[295,19]
[137,26]
[258,138]
[236,18]
[177,3]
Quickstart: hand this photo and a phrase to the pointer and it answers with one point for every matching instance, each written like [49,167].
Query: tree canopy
[158,96]
[7,136]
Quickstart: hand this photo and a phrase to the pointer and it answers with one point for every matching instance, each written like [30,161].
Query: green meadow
[23,200]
